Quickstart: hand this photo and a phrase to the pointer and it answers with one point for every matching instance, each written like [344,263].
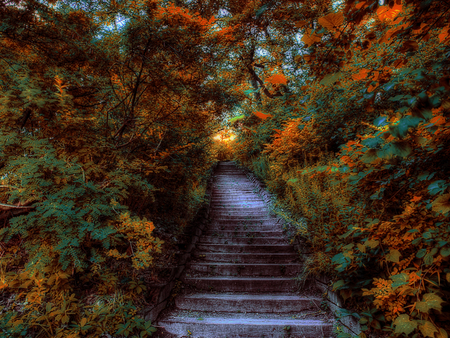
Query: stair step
[230,269]
[246,248]
[237,205]
[242,284]
[245,227]
[245,240]
[248,258]
[256,217]
[260,303]
[203,325]
[243,234]
[225,214]
[244,221]
[233,198]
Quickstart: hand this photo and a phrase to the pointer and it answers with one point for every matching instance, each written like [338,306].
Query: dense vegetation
[108,111]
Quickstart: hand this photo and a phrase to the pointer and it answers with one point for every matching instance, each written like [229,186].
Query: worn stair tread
[245,325]
[244,303]
[246,248]
[243,269]
[254,240]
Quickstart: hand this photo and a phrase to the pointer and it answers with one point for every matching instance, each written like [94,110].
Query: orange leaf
[308,58]
[301,23]
[438,120]
[309,38]
[416,198]
[361,75]
[372,88]
[386,13]
[332,21]
[262,115]
[359,5]
[278,130]
[444,34]
[277,79]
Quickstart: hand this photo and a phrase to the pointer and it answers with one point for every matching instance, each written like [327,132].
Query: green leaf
[445,251]
[428,259]
[237,118]
[421,253]
[397,98]
[380,121]
[400,129]
[429,301]
[261,10]
[437,187]
[330,79]
[338,284]
[373,142]
[404,325]
[400,279]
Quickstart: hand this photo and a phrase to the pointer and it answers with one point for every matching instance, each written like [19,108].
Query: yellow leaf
[332,21]
[441,204]
[83,322]
[394,256]
[361,247]
[428,329]
[442,333]
[371,243]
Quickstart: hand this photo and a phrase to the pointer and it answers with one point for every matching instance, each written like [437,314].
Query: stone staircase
[240,283]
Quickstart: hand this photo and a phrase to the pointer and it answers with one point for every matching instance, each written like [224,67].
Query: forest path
[240,282]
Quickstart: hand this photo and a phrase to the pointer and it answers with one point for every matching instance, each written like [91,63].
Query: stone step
[254,240]
[203,325]
[239,207]
[230,194]
[233,184]
[246,248]
[242,284]
[248,221]
[247,258]
[236,214]
[245,227]
[234,198]
[237,217]
[238,204]
[243,234]
[230,269]
[259,303]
